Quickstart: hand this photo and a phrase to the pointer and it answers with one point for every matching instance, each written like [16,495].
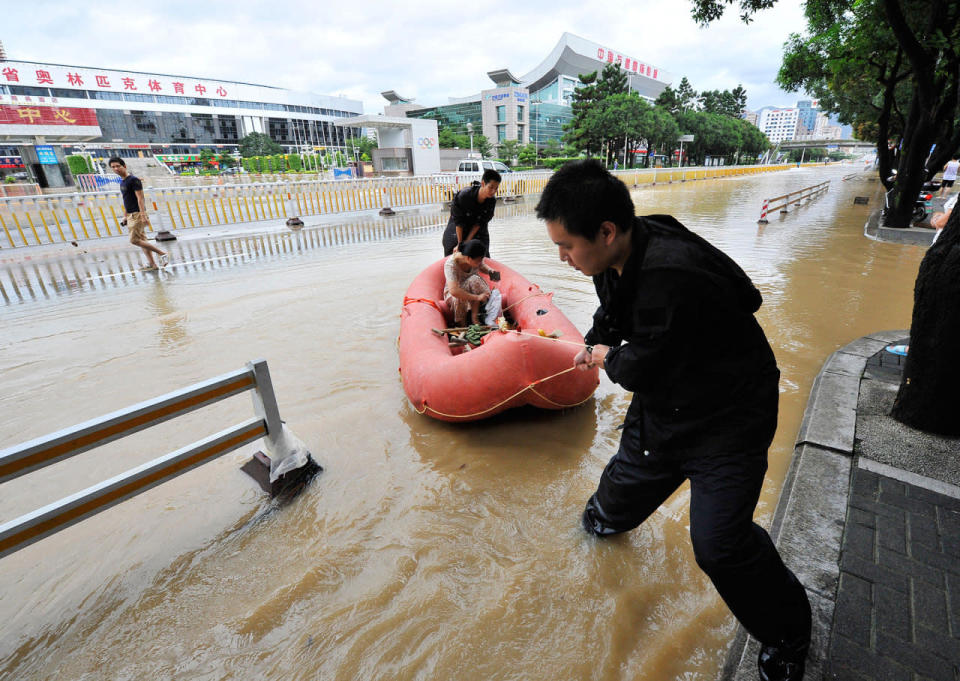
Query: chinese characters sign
[32,75]
[46,115]
[627,63]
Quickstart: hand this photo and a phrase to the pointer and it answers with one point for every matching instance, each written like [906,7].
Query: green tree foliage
[585,130]
[79,165]
[892,64]
[687,97]
[668,100]
[448,139]
[551,149]
[226,160]
[527,154]
[613,81]
[364,145]
[578,133]
[713,118]
[808,155]
[258,144]
[482,145]
[508,150]
[207,157]
[723,102]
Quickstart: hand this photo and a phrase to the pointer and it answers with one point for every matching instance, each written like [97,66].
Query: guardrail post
[287,466]
[763,213]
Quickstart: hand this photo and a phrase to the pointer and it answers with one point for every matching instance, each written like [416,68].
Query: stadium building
[50,110]
[534,107]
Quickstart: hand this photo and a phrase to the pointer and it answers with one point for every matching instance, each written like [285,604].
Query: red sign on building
[46,115]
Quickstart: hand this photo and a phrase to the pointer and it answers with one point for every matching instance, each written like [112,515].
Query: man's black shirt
[129,187]
[468,211]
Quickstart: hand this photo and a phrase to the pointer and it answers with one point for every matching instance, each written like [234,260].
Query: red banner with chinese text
[32,114]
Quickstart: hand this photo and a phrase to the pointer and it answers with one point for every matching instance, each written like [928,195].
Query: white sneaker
[164,260]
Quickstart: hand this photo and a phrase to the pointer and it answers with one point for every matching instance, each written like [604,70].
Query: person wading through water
[471,213]
[676,327]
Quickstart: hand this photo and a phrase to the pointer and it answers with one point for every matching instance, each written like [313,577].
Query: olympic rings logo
[426,142]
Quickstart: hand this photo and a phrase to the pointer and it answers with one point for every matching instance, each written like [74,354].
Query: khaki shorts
[137,222]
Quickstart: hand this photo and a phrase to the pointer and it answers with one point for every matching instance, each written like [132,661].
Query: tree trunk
[930,390]
[910,172]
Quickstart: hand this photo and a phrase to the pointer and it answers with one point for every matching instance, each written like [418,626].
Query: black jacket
[467,211]
[699,365]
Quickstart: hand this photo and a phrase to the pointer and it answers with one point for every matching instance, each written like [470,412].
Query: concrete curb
[808,523]
[914,236]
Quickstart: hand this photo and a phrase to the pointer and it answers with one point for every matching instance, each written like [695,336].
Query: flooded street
[425,550]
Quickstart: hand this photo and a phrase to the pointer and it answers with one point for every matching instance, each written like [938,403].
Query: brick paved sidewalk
[898,606]
[869,520]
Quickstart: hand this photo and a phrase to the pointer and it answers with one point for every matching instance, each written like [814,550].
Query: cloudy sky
[428,50]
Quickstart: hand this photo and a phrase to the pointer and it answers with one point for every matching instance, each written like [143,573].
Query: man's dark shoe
[782,663]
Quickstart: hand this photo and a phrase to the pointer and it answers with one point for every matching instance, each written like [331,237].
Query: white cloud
[431,50]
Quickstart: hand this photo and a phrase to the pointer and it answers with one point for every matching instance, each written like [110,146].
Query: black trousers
[736,553]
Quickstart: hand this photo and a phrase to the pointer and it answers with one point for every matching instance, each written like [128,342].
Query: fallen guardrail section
[793,198]
[287,469]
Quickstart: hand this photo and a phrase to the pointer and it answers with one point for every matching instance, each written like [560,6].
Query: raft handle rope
[524,389]
[502,402]
[532,295]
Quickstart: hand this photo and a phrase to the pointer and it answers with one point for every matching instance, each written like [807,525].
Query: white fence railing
[37,220]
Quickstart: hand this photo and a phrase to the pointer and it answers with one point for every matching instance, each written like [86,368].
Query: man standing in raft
[675,326]
[471,212]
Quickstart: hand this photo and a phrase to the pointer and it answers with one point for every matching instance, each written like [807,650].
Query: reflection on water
[425,550]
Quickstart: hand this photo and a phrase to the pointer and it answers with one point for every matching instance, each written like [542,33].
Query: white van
[476,165]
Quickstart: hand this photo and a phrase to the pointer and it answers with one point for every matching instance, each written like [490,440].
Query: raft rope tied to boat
[529,387]
[501,402]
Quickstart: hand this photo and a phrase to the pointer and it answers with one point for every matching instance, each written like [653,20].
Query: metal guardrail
[30,456]
[793,198]
[39,220]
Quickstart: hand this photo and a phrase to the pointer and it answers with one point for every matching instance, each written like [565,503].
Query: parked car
[477,165]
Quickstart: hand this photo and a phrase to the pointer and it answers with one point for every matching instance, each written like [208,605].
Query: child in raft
[465,290]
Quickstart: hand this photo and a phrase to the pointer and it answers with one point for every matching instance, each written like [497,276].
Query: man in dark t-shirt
[471,212]
[135,212]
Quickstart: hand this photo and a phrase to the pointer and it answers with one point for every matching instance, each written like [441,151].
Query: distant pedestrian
[949,174]
[135,211]
[676,327]
[471,213]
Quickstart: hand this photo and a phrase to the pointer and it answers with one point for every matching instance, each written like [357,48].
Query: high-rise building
[779,125]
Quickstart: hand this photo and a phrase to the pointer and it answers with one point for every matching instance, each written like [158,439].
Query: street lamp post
[470,132]
[536,118]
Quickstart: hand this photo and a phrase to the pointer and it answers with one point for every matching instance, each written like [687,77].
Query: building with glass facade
[127,112]
[535,107]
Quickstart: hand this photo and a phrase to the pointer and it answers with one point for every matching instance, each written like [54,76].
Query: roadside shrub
[79,165]
[556,162]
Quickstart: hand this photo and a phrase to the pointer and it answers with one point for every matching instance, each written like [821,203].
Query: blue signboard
[46,155]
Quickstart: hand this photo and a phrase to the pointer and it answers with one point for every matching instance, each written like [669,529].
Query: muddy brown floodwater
[425,550]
